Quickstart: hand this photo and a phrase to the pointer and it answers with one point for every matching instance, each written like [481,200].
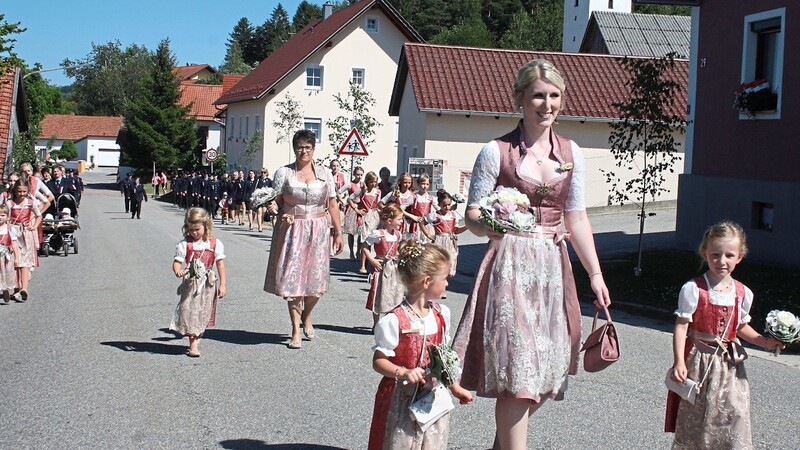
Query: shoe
[294,345]
[362,270]
[193,353]
[23,295]
[309,336]
[444,296]
[6,297]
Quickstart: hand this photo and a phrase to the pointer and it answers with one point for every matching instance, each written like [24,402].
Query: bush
[68,151]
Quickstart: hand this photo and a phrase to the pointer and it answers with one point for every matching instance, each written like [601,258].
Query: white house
[95,137]
[362,43]
[200,98]
[449,113]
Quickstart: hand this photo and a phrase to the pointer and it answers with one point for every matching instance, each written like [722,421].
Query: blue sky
[198,30]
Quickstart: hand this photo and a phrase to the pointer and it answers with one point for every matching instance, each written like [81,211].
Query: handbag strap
[597,312]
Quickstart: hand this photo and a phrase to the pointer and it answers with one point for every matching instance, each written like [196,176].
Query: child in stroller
[59,233]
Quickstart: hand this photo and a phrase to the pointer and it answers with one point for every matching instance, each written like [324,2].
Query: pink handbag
[601,346]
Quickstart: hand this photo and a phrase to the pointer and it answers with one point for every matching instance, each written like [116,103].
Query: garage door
[107,158]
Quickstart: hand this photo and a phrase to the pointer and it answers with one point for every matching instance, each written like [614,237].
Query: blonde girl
[26,218]
[366,211]
[200,287]
[385,289]
[713,312]
[9,255]
[403,196]
[402,338]
[350,223]
[445,226]
[421,206]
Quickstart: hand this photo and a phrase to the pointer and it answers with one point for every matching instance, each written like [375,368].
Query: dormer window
[372,25]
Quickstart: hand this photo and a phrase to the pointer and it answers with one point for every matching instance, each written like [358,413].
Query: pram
[59,234]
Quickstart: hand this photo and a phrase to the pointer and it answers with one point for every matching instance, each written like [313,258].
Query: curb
[616,209]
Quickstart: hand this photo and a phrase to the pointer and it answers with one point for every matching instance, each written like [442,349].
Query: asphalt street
[88,361]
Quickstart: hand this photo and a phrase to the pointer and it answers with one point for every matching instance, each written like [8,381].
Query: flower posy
[197,269]
[507,209]
[444,364]
[458,198]
[783,326]
[262,196]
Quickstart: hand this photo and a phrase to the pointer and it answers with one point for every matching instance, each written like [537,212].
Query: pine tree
[497,14]
[234,61]
[157,129]
[541,30]
[305,14]
[279,28]
[241,35]
[474,34]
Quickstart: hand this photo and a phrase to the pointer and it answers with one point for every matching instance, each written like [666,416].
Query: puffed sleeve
[484,173]
[388,198]
[446,317]
[387,335]
[373,237]
[180,252]
[687,300]
[330,182]
[219,251]
[576,197]
[35,208]
[744,308]
[280,178]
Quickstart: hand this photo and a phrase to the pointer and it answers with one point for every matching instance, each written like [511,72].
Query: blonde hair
[724,230]
[198,215]
[534,70]
[390,211]
[3,208]
[370,176]
[423,177]
[418,260]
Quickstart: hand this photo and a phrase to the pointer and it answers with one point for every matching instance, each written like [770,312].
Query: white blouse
[690,295]
[487,169]
[323,175]
[387,330]
[375,236]
[180,249]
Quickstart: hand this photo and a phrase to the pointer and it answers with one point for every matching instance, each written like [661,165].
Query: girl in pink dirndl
[26,217]
[403,196]
[445,226]
[300,252]
[200,291]
[520,330]
[385,289]
[9,255]
[401,353]
[420,208]
[367,211]
[351,191]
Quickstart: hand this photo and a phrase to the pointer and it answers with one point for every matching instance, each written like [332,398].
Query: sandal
[294,345]
[193,353]
[309,336]
[6,297]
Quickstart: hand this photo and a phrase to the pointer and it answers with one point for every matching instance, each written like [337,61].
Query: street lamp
[56,68]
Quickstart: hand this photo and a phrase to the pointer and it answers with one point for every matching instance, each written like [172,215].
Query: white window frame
[363,71]
[318,122]
[312,87]
[749,51]
[372,20]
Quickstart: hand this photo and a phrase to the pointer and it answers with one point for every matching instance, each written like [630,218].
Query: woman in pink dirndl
[520,331]
[299,259]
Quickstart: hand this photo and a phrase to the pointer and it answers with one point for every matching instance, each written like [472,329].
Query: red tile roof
[202,97]
[480,80]
[184,73]
[229,81]
[75,128]
[303,44]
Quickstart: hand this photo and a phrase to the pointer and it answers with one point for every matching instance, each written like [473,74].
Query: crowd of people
[519,335]
[31,197]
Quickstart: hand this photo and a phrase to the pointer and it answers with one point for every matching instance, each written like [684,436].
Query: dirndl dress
[299,256]
[27,239]
[8,274]
[385,289]
[444,227]
[421,206]
[350,221]
[371,219]
[197,306]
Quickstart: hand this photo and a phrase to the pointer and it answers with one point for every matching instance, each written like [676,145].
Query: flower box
[754,97]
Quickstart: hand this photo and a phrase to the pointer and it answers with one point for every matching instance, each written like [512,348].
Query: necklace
[717,288]
[538,161]
[416,313]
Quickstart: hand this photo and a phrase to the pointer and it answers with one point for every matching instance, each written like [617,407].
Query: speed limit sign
[212,155]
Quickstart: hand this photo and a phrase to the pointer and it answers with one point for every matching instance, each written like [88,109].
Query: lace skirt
[449,242]
[385,289]
[514,334]
[299,258]
[368,222]
[720,417]
[350,222]
[28,243]
[8,274]
[196,309]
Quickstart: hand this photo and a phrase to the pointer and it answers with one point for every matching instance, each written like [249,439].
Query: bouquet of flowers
[458,198]
[197,269]
[444,364]
[783,326]
[262,196]
[507,209]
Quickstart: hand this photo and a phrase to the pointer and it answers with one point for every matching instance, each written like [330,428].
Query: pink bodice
[446,224]
[387,249]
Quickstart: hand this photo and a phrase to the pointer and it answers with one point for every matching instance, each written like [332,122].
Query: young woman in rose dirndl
[420,208]
[26,218]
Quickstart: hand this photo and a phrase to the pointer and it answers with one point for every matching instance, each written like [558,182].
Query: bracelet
[397,373]
[596,273]
[336,233]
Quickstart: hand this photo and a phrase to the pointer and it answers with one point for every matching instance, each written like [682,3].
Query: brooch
[543,190]
[565,167]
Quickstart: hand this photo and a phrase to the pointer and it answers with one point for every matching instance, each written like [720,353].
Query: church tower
[576,18]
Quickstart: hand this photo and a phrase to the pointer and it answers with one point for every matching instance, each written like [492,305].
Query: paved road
[88,363]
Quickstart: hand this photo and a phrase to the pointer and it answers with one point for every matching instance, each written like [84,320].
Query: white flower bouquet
[783,326]
[445,365]
[262,196]
[197,269]
[507,209]
[458,198]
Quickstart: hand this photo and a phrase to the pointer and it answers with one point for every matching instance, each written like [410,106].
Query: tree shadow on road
[147,347]
[242,337]
[254,444]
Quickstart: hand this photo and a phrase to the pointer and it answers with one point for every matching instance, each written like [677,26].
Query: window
[372,24]
[763,215]
[315,125]
[241,125]
[358,77]
[396,133]
[232,128]
[247,126]
[610,4]
[314,77]
[257,123]
[762,58]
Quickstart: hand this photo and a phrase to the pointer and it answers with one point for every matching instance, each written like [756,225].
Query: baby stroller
[59,234]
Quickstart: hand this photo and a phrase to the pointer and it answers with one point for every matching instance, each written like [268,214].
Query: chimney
[327,10]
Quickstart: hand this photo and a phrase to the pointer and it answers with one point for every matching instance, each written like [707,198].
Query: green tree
[8,58]
[497,15]
[668,10]
[254,145]
[44,98]
[644,137]
[108,77]
[234,61]
[431,18]
[355,109]
[279,28]
[22,150]
[68,151]
[241,34]
[305,14]
[539,30]
[157,129]
[474,34]
[290,118]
